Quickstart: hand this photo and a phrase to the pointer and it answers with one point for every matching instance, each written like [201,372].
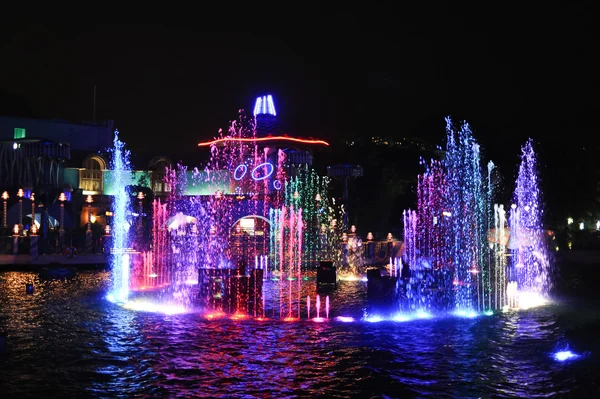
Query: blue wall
[85,137]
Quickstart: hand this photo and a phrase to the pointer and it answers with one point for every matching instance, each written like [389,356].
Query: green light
[19,133]
[488,313]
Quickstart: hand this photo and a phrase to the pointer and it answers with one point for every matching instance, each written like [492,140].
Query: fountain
[530,266]
[241,234]
[461,254]
[120,251]
[250,217]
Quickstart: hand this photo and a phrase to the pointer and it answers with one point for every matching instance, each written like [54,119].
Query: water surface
[66,340]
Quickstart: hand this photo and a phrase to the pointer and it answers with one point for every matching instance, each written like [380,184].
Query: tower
[266,116]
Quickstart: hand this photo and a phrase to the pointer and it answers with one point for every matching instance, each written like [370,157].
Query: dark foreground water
[67,341]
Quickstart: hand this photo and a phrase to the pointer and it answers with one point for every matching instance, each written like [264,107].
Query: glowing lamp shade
[264,105]
[5,195]
[62,197]
[262,171]
[20,193]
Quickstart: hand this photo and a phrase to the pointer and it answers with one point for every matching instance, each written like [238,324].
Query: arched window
[158,166]
[92,176]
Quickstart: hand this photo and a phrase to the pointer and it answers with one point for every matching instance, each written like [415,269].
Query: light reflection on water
[66,340]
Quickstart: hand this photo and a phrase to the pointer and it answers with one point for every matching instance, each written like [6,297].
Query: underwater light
[401,317]
[421,314]
[465,313]
[565,355]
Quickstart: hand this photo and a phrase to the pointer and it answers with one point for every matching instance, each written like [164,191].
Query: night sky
[511,73]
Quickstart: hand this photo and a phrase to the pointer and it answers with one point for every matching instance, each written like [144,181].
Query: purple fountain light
[530,266]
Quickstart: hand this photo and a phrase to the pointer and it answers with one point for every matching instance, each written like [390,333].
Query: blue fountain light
[465,203]
[121,176]
[563,356]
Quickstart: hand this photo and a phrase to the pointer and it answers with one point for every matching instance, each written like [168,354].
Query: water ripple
[65,340]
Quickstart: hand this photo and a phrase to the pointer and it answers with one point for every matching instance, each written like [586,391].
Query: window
[159,185]
[20,133]
[92,176]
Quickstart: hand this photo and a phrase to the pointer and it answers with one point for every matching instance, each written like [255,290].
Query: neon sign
[277,185]
[264,105]
[256,139]
[237,175]
[257,168]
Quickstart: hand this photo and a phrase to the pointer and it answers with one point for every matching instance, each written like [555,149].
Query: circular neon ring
[277,185]
[235,172]
[270,169]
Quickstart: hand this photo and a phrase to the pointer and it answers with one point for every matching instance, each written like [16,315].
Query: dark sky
[512,73]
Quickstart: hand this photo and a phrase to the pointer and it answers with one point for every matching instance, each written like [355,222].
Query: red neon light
[249,139]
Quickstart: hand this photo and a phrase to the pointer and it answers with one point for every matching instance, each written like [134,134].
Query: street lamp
[20,194]
[140,198]
[89,199]
[5,198]
[32,198]
[62,198]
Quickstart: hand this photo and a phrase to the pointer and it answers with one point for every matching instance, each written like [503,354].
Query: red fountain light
[270,138]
